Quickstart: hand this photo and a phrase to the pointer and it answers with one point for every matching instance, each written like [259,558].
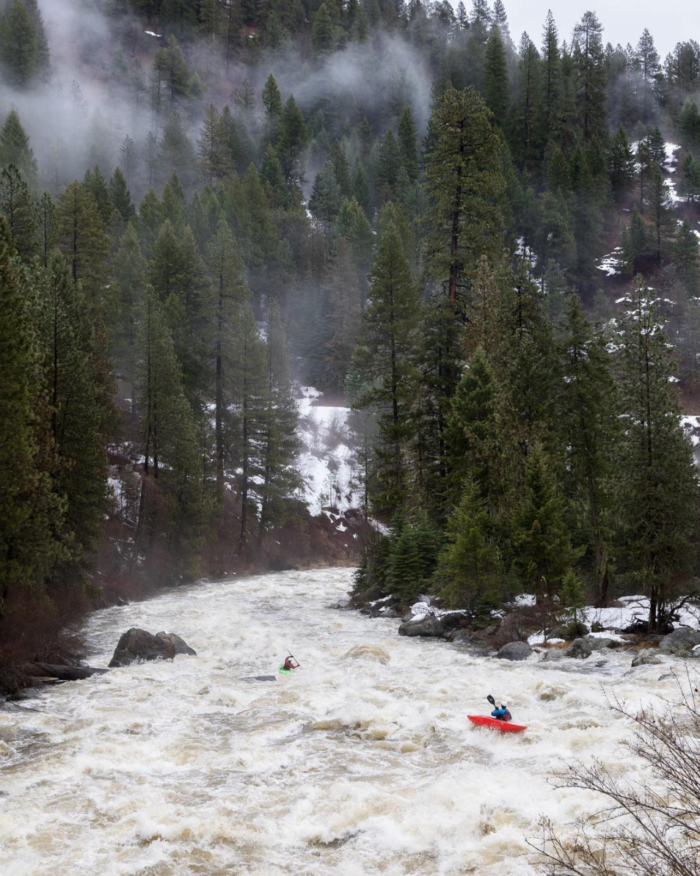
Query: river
[360,763]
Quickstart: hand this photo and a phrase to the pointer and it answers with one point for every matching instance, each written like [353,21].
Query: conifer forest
[482,247]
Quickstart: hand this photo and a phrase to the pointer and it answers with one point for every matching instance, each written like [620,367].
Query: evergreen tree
[662,214]
[230,294]
[169,442]
[528,104]
[658,489]
[589,70]
[280,444]
[15,149]
[620,164]
[31,512]
[647,61]
[408,144]
[20,212]
[551,80]
[687,259]
[544,553]
[588,419]
[470,570]
[496,87]
[384,356]
[464,185]
[82,239]
[78,410]
[120,196]
[18,45]
[322,31]
[294,137]
[689,183]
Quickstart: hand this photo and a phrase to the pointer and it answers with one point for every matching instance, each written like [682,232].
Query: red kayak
[503,726]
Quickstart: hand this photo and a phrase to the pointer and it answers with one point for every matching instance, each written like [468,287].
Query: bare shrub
[649,829]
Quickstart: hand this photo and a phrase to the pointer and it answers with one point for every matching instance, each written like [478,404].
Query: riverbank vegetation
[489,248]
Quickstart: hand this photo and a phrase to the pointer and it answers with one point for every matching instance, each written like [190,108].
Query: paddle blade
[491,700]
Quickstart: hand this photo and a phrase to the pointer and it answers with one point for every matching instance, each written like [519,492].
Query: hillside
[358,282]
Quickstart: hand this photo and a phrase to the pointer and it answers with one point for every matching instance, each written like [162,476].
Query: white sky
[669,21]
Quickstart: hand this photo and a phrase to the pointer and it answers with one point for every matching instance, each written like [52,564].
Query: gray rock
[136,645]
[580,649]
[515,651]
[681,642]
[179,645]
[600,643]
[426,627]
[645,658]
[555,654]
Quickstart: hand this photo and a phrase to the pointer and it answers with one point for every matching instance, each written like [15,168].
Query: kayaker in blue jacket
[502,714]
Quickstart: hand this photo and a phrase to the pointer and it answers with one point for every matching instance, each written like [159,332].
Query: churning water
[360,763]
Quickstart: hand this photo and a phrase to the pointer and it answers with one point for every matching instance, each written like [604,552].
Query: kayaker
[289,664]
[502,714]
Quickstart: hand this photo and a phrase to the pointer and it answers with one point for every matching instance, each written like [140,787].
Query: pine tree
[82,239]
[172,71]
[689,183]
[169,443]
[122,300]
[529,101]
[78,409]
[647,61]
[326,197]
[658,488]
[322,31]
[20,212]
[18,45]
[384,356]
[280,444]
[15,149]
[120,196]
[464,186]
[541,538]
[408,144]
[230,294]
[689,124]
[47,231]
[551,80]
[249,375]
[662,214]
[294,137]
[31,512]
[620,164]
[175,152]
[387,167]
[470,568]
[177,276]
[272,99]
[590,430]
[496,87]
[590,74]
[686,259]
[95,185]
[472,431]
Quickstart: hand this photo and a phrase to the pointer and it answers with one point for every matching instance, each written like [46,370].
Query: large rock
[63,673]
[645,658]
[580,649]
[136,645]
[427,627]
[681,642]
[515,651]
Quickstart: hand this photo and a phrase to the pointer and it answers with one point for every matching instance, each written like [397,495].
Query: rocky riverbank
[517,633]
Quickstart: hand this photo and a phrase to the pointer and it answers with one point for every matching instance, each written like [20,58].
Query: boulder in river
[681,642]
[136,645]
[515,651]
[427,627]
[60,672]
[646,658]
[582,648]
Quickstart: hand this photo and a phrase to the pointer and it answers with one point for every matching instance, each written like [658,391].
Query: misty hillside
[370,282]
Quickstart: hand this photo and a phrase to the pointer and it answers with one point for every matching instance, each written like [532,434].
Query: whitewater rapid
[362,762]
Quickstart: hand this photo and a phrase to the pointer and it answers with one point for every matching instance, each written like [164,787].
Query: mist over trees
[206,202]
